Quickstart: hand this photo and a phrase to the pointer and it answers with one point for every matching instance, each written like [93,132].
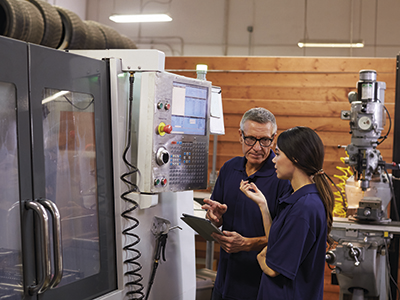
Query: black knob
[162,156]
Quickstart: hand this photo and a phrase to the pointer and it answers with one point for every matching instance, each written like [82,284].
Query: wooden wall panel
[283,64]
[299,91]
[302,91]
[291,93]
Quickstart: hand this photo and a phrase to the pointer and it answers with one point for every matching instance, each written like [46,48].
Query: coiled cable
[135,287]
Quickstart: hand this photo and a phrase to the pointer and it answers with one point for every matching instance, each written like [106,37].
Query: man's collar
[266,170]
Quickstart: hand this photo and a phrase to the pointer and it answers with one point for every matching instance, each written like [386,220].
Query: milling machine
[360,259]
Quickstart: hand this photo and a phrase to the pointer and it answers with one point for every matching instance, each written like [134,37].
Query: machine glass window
[71,179]
[10,245]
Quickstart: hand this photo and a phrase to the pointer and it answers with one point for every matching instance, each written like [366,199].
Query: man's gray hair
[259,115]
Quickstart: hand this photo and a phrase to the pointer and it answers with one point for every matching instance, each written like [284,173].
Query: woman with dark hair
[293,262]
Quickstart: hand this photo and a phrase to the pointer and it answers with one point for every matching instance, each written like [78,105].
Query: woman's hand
[264,267]
[251,191]
[261,258]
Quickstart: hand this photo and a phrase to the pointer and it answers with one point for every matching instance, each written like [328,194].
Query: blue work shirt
[239,274]
[296,248]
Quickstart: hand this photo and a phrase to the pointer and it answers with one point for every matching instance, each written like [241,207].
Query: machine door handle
[43,232]
[57,241]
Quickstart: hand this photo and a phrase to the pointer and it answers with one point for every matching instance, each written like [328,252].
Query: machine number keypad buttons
[188,164]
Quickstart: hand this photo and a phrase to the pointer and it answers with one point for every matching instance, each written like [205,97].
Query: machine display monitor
[189,109]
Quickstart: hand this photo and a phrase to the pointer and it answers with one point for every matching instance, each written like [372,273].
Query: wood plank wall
[301,91]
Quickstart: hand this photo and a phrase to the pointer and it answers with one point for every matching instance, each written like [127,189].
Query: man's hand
[231,241]
[215,210]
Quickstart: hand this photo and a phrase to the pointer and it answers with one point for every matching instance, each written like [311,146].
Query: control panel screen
[189,109]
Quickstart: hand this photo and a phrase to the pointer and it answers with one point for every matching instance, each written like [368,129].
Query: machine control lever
[354,253]
[330,257]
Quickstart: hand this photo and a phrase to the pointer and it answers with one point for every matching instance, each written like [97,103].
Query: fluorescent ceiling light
[140,18]
[330,44]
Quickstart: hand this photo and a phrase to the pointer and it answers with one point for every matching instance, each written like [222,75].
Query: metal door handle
[57,242]
[43,232]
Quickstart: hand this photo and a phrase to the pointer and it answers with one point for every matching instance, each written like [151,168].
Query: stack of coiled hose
[39,22]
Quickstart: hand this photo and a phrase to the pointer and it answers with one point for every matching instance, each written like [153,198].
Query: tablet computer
[202,226]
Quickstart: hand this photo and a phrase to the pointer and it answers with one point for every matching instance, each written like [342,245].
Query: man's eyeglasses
[251,140]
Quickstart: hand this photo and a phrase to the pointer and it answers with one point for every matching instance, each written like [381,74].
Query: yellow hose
[339,210]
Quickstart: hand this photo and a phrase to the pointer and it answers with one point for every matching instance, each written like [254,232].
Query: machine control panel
[172,132]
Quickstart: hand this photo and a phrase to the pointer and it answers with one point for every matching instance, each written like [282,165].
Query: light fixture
[140,18]
[330,44]
[201,71]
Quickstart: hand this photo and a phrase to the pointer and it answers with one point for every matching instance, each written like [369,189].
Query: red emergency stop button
[163,129]
[167,129]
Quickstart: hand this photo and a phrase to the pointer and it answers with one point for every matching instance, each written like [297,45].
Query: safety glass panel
[71,179]
[10,238]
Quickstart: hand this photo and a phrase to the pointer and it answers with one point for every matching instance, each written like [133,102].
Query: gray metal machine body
[361,258]
[367,120]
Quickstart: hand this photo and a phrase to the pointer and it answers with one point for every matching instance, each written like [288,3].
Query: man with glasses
[239,274]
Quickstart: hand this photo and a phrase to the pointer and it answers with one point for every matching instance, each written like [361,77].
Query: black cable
[393,195]
[134,282]
[161,241]
[77,107]
[389,272]
[390,127]
[46,110]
